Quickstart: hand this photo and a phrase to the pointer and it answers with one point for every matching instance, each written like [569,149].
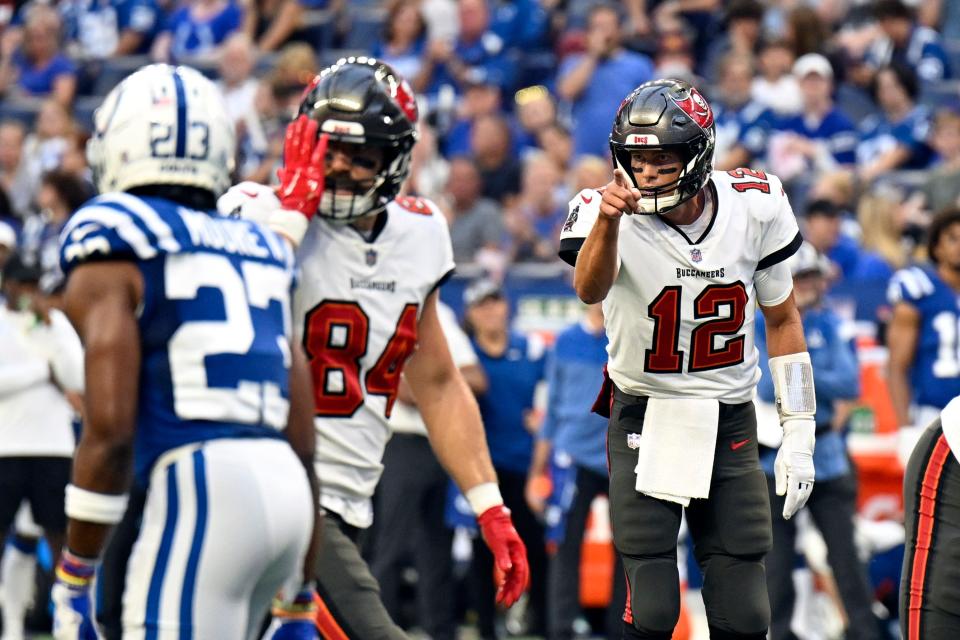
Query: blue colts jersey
[935,376]
[214,323]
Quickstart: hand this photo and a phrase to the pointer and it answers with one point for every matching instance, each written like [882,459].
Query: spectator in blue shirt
[743,124]
[38,68]
[572,437]
[896,139]
[478,55]
[908,43]
[107,28]
[595,81]
[513,364]
[855,267]
[197,29]
[821,136]
[833,501]
[404,39]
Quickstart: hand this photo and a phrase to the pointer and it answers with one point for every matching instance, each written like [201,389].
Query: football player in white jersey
[365,311]
[680,277]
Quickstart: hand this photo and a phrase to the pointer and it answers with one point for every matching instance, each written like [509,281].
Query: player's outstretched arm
[456,435]
[101,302]
[597,266]
[796,403]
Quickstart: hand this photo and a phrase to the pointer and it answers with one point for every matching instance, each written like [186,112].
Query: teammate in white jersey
[680,277]
[365,311]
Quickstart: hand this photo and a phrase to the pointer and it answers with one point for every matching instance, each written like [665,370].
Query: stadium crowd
[854,104]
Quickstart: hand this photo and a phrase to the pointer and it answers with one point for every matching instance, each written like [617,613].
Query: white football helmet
[162,125]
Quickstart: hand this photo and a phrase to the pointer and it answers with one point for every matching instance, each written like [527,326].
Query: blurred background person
[237,60]
[821,137]
[513,364]
[941,188]
[775,86]
[41,379]
[896,138]
[834,499]
[903,40]
[595,81]
[573,438]
[535,217]
[15,176]
[59,196]
[36,66]
[743,124]
[404,39]
[491,143]
[476,224]
[195,30]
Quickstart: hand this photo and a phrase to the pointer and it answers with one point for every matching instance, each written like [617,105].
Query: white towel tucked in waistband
[675,452]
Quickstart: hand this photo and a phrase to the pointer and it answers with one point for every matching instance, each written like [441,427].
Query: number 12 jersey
[680,313]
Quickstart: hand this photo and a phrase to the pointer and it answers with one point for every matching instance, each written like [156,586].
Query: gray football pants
[731,531]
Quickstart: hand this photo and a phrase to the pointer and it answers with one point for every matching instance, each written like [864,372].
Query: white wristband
[90,506]
[483,496]
[290,224]
[793,384]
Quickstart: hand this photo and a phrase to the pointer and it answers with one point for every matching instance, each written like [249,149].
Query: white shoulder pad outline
[137,229]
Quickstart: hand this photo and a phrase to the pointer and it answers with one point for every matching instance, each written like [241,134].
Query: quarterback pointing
[680,277]
[365,310]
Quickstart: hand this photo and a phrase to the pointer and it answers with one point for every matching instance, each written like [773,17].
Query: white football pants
[225,526]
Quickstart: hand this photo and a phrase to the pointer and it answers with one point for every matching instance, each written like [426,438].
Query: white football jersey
[356,313]
[681,310]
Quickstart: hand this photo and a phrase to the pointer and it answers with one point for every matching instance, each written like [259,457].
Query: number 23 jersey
[680,313]
[356,311]
[214,320]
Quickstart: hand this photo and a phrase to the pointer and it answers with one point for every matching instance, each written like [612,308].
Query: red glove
[509,554]
[302,175]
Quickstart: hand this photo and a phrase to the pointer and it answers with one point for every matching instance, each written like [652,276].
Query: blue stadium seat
[366,27]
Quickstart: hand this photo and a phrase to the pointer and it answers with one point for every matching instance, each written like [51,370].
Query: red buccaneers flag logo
[697,108]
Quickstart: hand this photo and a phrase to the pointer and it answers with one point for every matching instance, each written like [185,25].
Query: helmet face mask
[671,116]
[362,101]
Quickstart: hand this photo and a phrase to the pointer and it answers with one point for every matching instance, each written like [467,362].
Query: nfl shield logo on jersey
[633,440]
[695,255]
[371,257]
